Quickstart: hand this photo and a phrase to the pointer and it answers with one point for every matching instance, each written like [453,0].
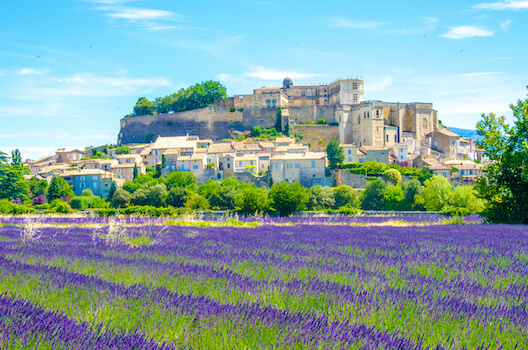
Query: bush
[59,206]
[7,207]
[349,210]
[321,121]
[455,212]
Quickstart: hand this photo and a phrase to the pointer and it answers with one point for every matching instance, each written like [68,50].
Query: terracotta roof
[308,155]
[86,172]
[220,147]
[446,132]
[173,142]
[373,148]
[266,144]
[241,146]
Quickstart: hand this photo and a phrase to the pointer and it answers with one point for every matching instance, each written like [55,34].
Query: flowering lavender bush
[99,283]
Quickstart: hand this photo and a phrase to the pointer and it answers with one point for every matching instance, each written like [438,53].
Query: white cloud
[273,74]
[29,71]
[506,24]
[463,32]
[134,14]
[62,136]
[380,84]
[479,74]
[503,5]
[358,24]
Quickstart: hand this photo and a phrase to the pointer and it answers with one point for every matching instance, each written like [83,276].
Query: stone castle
[347,116]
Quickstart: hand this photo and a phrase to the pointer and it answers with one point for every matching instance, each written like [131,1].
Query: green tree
[87,193]
[320,198]
[157,195]
[224,197]
[123,150]
[288,199]
[178,196]
[345,195]
[372,198]
[59,188]
[120,198]
[3,158]
[504,186]
[140,196]
[436,193]
[144,107]
[197,202]
[16,157]
[335,153]
[466,197]
[412,189]
[12,182]
[135,172]
[111,191]
[37,187]
[252,200]
[393,198]
[393,176]
[181,179]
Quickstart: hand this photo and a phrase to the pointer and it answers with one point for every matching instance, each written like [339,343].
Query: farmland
[289,283]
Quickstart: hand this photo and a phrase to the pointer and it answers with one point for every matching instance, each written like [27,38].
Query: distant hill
[466,133]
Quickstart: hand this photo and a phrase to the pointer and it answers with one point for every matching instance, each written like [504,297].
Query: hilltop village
[220,141]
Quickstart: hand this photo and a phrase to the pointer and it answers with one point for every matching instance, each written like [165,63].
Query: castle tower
[287,83]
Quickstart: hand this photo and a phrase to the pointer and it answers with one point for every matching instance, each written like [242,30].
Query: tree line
[193,97]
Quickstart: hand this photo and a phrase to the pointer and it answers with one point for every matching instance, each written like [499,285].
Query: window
[349,160]
[297,165]
[395,138]
[444,173]
[82,185]
[95,185]
[240,163]
[387,138]
[195,167]
[288,166]
[377,160]
[95,177]
[354,85]
[303,92]
[118,170]
[368,115]
[274,103]
[349,151]
[228,165]
[83,178]
[268,103]
[313,163]
[276,165]
[354,97]
[377,113]
[453,143]
[361,160]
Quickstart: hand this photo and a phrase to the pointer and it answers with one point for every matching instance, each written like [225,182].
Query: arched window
[425,125]
[368,115]
[377,113]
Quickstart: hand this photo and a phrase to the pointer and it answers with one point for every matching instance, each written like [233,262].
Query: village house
[97,180]
[301,168]
[69,155]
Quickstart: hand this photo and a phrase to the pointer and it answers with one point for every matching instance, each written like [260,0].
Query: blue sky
[71,69]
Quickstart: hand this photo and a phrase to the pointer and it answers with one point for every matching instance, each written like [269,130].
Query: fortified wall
[207,123]
[215,122]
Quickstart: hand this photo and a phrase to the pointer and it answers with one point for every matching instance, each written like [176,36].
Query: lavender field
[294,284]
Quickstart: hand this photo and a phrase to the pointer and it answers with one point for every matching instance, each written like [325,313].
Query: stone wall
[312,134]
[207,123]
[356,181]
